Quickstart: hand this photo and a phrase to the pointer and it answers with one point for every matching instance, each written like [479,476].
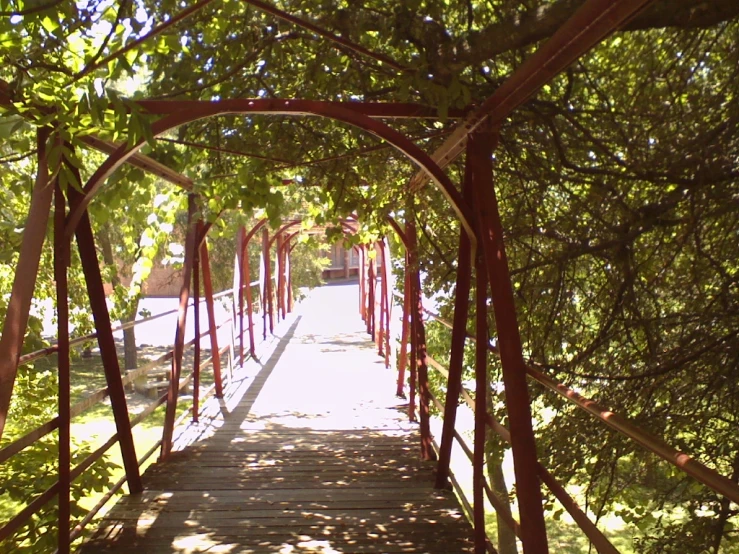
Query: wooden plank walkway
[311,452]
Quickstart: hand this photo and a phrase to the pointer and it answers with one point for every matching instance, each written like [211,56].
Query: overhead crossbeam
[340,113]
[377,110]
[588,26]
[137,160]
[141,161]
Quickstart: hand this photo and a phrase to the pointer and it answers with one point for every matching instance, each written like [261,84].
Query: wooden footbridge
[309,451]
[305,447]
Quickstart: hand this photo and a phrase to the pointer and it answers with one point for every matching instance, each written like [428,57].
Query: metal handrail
[43,352]
[594,534]
[654,444]
[80,407]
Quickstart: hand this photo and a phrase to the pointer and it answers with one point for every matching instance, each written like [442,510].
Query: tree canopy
[618,184]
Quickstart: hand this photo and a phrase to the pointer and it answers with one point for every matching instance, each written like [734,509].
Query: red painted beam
[106,342]
[362,284]
[380,334]
[525,463]
[179,343]
[247,279]
[196,325]
[387,296]
[456,355]
[405,329]
[418,332]
[61,260]
[481,386]
[589,25]
[375,110]
[212,323]
[279,107]
[24,281]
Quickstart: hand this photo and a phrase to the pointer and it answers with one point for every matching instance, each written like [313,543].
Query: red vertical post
[278,277]
[413,364]
[405,328]
[362,284]
[212,324]
[263,287]
[239,267]
[249,301]
[380,332]
[386,297]
[285,269]
[525,464]
[288,254]
[24,281]
[481,384]
[419,333]
[106,342]
[347,253]
[179,341]
[196,325]
[283,277]
[371,278]
[269,312]
[61,261]
[459,333]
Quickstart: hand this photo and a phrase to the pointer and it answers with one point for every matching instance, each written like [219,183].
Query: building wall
[341,267]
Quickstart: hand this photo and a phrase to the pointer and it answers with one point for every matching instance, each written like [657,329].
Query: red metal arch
[253,230]
[278,107]
[282,229]
[290,237]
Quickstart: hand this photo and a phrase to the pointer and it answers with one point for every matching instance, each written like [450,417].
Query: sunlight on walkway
[310,452]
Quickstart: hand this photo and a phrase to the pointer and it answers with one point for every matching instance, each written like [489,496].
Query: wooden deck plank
[311,453]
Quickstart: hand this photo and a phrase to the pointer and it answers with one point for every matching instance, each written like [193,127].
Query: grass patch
[89,431]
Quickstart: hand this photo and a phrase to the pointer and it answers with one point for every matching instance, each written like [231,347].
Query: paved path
[311,452]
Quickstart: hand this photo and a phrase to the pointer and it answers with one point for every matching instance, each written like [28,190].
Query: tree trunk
[506,536]
[130,355]
[494,461]
[725,511]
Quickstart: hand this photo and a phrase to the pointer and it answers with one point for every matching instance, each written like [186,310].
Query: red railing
[33,507]
[654,444]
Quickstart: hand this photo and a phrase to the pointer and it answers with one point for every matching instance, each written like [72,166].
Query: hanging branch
[131,45]
[327,34]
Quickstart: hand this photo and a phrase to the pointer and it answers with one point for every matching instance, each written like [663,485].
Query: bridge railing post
[106,342]
[371,282]
[24,281]
[481,386]
[196,325]
[413,358]
[239,289]
[459,334]
[490,232]
[61,261]
[362,284]
[419,346]
[290,299]
[386,297]
[212,324]
[404,330]
[179,343]
[380,334]
[246,268]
